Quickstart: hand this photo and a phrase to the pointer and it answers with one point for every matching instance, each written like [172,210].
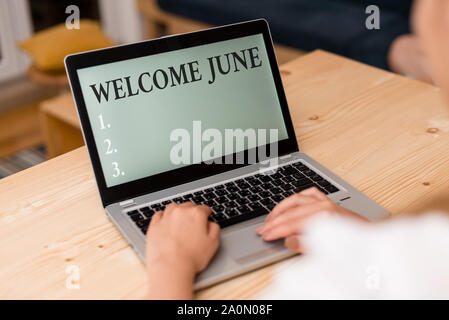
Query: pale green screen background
[139,127]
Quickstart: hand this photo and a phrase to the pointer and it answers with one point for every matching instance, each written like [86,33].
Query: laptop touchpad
[245,245]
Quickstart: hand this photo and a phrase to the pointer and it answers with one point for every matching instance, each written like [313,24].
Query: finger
[205,210]
[295,202]
[295,212]
[214,230]
[169,208]
[294,243]
[187,204]
[314,192]
[292,220]
[214,236]
[295,226]
[156,218]
[200,214]
[292,201]
[308,196]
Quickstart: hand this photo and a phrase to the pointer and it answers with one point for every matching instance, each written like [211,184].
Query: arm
[180,243]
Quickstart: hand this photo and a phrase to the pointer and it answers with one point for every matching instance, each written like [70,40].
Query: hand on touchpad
[244,245]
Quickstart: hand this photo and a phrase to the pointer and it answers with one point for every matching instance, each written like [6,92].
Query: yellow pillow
[48,48]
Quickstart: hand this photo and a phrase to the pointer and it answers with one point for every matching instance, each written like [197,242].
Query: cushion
[48,48]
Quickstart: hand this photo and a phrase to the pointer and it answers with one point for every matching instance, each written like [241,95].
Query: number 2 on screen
[109,149]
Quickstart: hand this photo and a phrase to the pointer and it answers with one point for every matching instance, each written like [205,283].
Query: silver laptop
[198,117]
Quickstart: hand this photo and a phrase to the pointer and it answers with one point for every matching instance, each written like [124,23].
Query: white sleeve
[404,258]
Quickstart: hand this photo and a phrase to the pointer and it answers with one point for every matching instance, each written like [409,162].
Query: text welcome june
[185,73]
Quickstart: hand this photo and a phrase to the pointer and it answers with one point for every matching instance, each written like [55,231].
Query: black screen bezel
[188,173]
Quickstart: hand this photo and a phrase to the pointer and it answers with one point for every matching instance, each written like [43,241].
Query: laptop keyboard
[244,198]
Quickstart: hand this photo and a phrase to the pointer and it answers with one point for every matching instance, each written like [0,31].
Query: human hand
[288,218]
[430,20]
[181,241]
[407,57]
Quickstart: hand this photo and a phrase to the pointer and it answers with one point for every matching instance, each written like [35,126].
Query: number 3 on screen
[116,169]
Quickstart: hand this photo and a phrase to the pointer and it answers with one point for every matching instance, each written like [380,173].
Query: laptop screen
[161,112]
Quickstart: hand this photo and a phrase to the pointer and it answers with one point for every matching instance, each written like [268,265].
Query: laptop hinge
[127,203]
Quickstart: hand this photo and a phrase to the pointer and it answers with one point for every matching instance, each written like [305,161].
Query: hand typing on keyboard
[180,243]
[288,218]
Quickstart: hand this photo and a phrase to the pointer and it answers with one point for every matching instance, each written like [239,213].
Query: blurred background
[37,116]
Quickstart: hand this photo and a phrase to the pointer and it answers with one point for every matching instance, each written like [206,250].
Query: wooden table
[385,134]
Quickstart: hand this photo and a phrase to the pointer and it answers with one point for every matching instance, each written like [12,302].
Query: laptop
[198,117]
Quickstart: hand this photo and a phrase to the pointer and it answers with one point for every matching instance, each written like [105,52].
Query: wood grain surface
[385,134]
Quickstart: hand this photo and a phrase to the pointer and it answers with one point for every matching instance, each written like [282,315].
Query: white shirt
[404,258]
